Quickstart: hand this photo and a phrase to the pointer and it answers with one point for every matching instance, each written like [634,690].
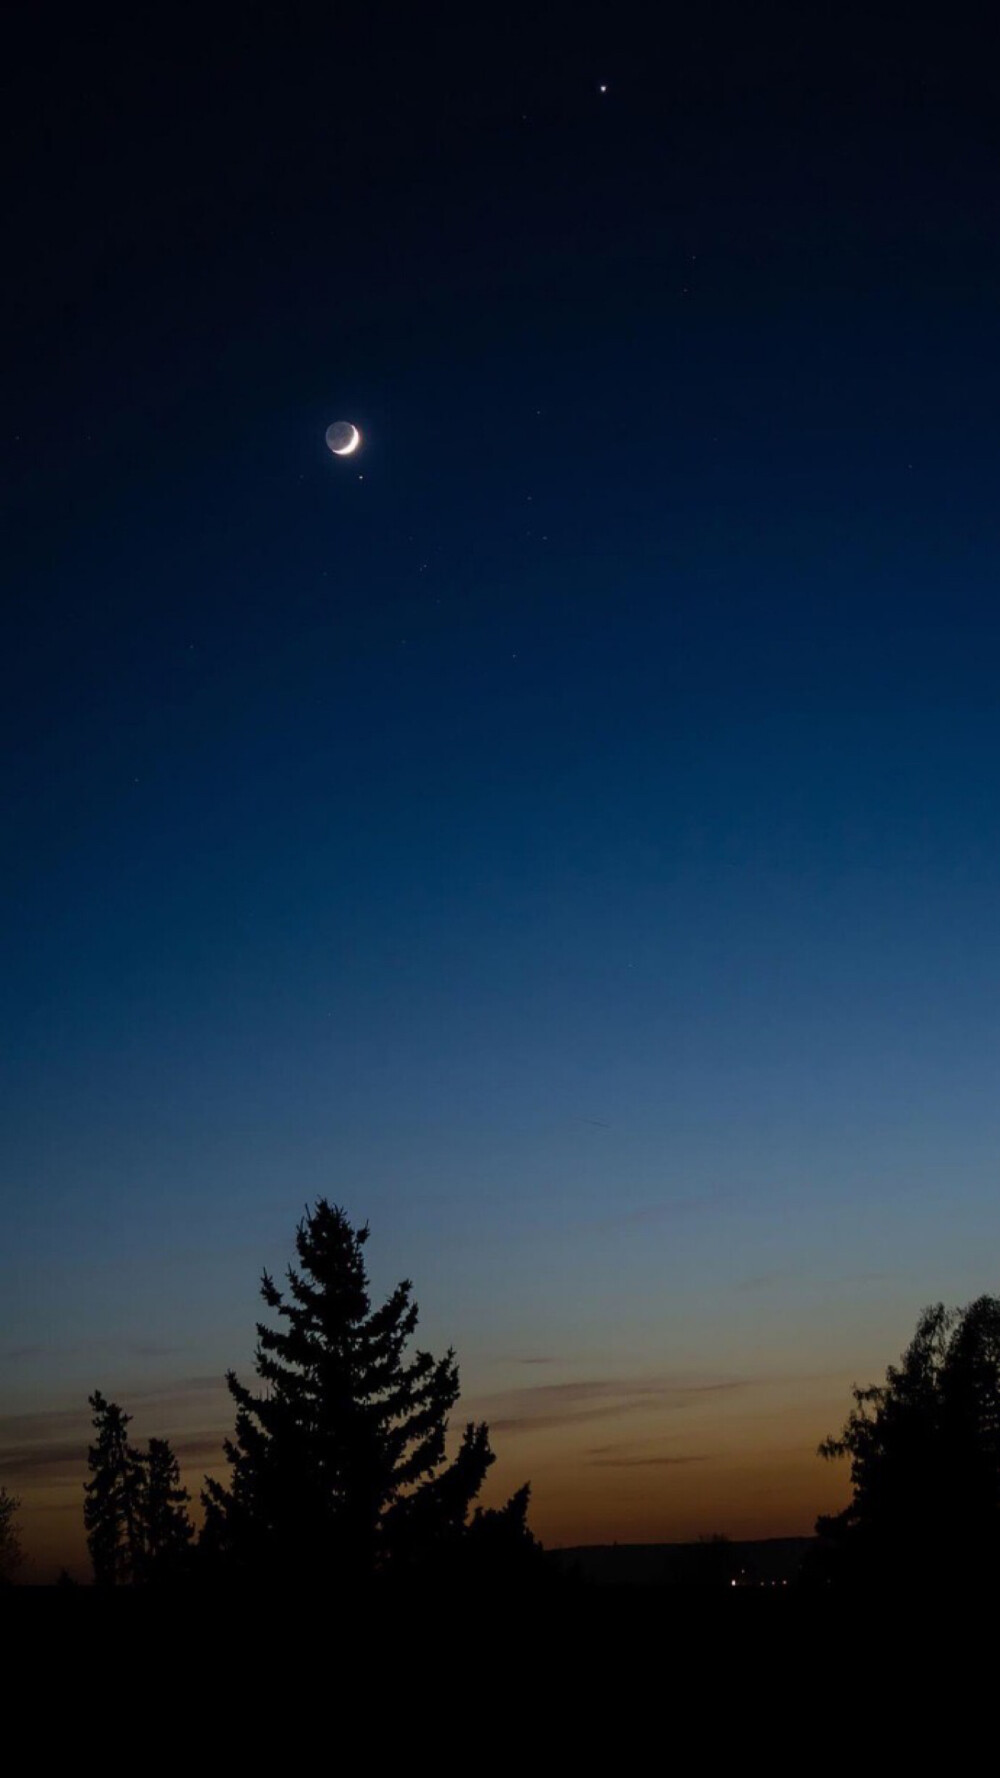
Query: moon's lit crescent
[351,445]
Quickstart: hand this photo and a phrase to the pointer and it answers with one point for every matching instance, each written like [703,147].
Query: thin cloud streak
[645,1462]
[664,1211]
[49,1460]
[34,1462]
[542,1406]
[89,1348]
[43,1445]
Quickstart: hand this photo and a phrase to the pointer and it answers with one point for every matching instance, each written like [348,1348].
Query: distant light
[602,89]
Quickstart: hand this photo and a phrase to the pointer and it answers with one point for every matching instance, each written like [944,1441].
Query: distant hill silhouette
[758,1562]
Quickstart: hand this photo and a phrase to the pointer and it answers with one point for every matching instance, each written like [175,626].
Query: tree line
[338,1470]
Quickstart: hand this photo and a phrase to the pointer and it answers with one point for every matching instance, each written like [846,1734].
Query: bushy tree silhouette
[924,1450]
[11,1554]
[500,1547]
[135,1510]
[338,1469]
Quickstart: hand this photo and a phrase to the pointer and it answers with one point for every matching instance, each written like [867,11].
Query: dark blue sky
[564,832]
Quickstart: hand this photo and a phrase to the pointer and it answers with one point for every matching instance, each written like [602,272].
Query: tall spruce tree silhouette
[338,1470]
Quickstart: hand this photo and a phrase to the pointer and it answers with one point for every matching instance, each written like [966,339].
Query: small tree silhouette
[135,1510]
[11,1554]
[167,1529]
[112,1511]
[338,1464]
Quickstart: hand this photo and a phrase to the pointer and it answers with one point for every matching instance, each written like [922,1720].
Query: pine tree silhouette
[135,1510]
[338,1467]
[112,1512]
[166,1529]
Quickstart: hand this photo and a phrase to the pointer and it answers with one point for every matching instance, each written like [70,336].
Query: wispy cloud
[46,1459]
[543,1405]
[87,1349]
[36,1461]
[51,1444]
[645,1462]
[16,1427]
[765,1280]
[665,1210]
[802,1274]
[203,1447]
[197,1385]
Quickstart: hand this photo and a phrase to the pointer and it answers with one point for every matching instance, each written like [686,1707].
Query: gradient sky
[565,833]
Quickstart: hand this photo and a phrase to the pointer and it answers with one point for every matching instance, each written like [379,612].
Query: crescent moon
[346,450]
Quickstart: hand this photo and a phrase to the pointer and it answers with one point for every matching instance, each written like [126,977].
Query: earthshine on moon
[342,438]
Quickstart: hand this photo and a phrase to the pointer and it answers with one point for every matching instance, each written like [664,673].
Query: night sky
[564,833]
